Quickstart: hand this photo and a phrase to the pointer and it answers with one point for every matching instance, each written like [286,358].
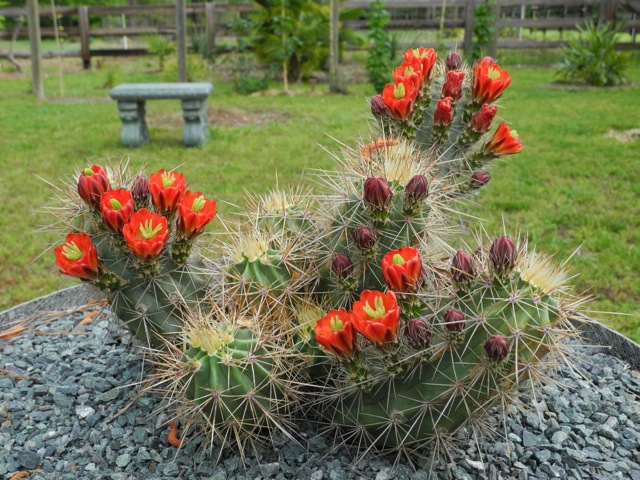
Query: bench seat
[131,98]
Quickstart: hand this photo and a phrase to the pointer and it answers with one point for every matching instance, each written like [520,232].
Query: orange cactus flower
[146,234]
[78,257]
[453,85]
[443,115]
[489,81]
[504,142]
[400,98]
[93,182]
[194,213]
[425,56]
[409,71]
[166,190]
[117,208]
[402,269]
[376,316]
[336,333]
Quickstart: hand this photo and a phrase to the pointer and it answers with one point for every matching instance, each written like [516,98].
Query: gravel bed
[62,423]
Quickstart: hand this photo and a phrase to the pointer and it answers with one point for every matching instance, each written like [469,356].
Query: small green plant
[592,57]
[111,73]
[197,69]
[381,49]
[243,72]
[161,47]
[483,29]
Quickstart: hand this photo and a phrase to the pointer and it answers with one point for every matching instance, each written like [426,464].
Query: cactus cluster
[357,305]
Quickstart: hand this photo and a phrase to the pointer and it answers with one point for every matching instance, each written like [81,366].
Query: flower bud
[140,191]
[480,179]
[486,61]
[378,107]
[481,121]
[497,348]
[453,85]
[364,238]
[462,267]
[503,254]
[454,320]
[443,115]
[417,189]
[453,61]
[418,333]
[341,266]
[377,193]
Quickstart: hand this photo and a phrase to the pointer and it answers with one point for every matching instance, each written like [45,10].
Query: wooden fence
[213,20]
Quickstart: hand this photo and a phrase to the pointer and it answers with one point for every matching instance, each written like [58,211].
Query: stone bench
[131,98]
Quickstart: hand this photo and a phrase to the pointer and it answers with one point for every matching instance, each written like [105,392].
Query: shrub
[381,49]
[161,47]
[197,69]
[592,57]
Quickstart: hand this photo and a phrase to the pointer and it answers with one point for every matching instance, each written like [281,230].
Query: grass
[571,188]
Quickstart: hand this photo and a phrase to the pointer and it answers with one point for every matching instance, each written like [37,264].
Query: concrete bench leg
[196,122]
[134,131]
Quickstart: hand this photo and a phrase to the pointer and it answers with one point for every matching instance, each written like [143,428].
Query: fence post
[607,11]
[210,25]
[468,26]
[36,53]
[492,48]
[85,50]
[181,33]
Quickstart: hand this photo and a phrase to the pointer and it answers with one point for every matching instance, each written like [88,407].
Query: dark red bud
[453,85]
[443,114]
[140,191]
[454,320]
[462,267]
[481,121]
[480,179]
[378,107]
[364,238]
[417,189]
[497,348]
[418,333]
[453,61]
[377,193]
[341,266]
[503,254]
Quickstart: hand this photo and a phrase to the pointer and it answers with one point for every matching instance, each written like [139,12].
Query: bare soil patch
[222,117]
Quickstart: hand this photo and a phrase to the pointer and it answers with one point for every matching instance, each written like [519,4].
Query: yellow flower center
[493,73]
[399,91]
[88,172]
[398,259]
[198,204]
[72,251]
[115,204]
[513,133]
[148,231]
[336,324]
[378,311]
[167,179]
[408,70]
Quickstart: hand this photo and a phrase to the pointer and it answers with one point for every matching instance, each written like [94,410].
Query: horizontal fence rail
[213,19]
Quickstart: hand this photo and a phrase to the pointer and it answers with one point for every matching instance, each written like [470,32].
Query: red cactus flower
[462,267]
[377,193]
[117,208]
[497,348]
[425,56]
[93,182]
[503,254]
[504,142]
[402,269]
[376,316]
[411,72]
[453,85]
[399,98]
[194,214]
[443,114]
[454,320]
[78,257]
[146,234]
[489,81]
[336,333]
[481,121]
[166,190]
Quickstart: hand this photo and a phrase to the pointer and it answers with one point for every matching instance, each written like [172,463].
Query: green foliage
[197,69]
[243,72]
[111,73]
[380,49]
[483,29]
[161,47]
[592,57]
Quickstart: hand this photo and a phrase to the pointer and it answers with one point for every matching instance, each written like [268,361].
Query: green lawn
[571,188]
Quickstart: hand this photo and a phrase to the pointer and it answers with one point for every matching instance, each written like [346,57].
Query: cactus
[149,282]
